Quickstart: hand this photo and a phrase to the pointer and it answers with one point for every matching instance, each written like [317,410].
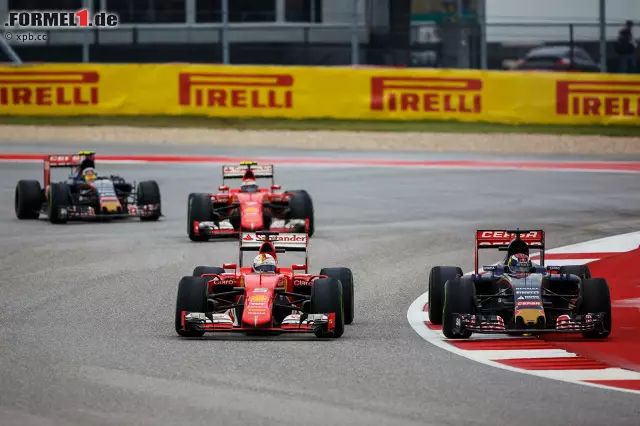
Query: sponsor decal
[47,88]
[300,282]
[506,235]
[254,311]
[518,291]
[248,237]
[251,210]
[60,19]
[236,91]
[598,98]
[528,303]
[427,94]
[260,290]
[258,299]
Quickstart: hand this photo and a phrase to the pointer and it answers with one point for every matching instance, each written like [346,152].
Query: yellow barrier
[304,92]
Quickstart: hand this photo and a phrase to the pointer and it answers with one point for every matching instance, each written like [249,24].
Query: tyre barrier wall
[317,92]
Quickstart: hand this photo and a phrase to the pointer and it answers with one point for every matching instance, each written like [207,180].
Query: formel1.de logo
[34,19]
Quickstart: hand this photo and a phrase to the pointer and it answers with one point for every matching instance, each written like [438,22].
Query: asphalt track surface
[86,310]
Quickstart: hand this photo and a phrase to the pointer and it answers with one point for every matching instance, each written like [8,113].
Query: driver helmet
[265,263]
[519,262]
[249,185]
[89,174]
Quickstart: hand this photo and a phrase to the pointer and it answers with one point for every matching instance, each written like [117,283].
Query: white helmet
[264,263]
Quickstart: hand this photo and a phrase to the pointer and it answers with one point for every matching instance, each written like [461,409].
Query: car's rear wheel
[28,199]
[302,208]
[199,210]
[596,298]
[326,297]
[345,276]
[192,297]
[438,277]
[580,270]
[459,298]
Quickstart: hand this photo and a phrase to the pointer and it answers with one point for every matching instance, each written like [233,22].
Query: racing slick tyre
[192,297]
[199,210]
[459,298]
[326,297]
[438,277]
[580,270]
[28,199]
[58,203]
[302,208]
[199,270]
[345,276]
[148,192]
[595,299]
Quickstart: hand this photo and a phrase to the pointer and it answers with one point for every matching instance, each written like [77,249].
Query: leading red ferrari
[250,207]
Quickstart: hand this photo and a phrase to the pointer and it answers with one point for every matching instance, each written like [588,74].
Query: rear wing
[238,171]
[57,161]
[500,240]
[273,243]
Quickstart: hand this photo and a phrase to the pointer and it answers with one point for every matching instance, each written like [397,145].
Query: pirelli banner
[305,92]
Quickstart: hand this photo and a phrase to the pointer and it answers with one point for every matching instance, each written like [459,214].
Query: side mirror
[229,265]
[223,188]
[276,187]
[299,267]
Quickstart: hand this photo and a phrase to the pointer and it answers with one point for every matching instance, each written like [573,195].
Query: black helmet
[517,246]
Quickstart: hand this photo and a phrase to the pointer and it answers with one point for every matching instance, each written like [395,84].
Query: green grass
[323,124]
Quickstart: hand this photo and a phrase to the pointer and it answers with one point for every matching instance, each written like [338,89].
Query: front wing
[224,228]
[494,324]
[80,212]
[212,322]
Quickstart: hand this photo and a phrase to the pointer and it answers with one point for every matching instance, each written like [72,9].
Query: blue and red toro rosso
[250,207]
[265,298]
[516,296]
[85,195]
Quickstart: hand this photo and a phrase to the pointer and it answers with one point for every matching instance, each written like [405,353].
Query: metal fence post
[483,34]
[603,36]
[8,50]
[225,32]
[86,4]
[355,38]
[571,46]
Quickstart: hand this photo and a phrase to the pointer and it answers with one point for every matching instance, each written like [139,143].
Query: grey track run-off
[86,313]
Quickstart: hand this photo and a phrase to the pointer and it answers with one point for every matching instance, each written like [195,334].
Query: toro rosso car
[516,296]
[248,208]
[85,195]
[237,298]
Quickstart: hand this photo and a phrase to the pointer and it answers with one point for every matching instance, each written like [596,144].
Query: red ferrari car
[250,207]
[235,298]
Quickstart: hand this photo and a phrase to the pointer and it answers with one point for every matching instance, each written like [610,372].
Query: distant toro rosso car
[235,298]
[85,195]
[518,297]
[250,207]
